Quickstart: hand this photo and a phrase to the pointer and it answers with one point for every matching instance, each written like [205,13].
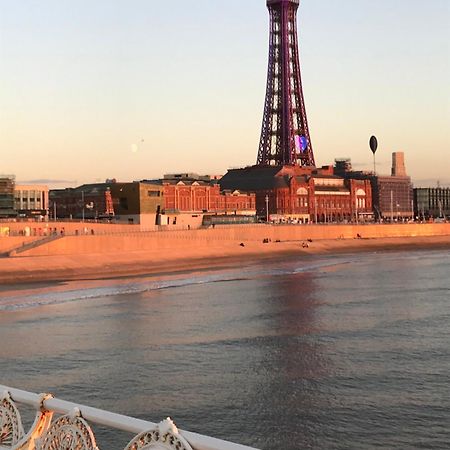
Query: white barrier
[47,433]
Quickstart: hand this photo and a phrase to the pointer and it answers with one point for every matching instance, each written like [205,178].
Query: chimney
[398,164]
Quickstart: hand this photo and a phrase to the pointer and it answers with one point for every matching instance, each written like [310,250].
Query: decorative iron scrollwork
[164,436]
[11,429]
[70,432]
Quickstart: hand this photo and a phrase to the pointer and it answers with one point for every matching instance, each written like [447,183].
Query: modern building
[31,201]
[7,185]
[432,203]
[137,202]
[392,196]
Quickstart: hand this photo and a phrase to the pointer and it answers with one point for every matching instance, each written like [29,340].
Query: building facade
[302,195]
[190,199]
[7,185]
[181,201]
[31,201]
[393,198]
[431,203]
[89,201]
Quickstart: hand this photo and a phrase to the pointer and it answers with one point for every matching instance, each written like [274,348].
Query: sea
[350,351]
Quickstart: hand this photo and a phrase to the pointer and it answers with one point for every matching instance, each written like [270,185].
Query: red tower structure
[285,136]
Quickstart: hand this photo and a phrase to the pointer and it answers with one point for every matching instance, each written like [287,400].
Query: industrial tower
[285,136]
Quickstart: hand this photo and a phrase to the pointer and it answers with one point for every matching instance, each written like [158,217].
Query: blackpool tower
[285,136]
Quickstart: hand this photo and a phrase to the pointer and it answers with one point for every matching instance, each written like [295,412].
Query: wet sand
[228,255]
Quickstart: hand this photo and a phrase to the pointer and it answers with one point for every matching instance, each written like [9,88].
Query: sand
[228,255]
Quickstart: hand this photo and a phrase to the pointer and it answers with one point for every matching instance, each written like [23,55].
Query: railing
[71,428]
[33,244]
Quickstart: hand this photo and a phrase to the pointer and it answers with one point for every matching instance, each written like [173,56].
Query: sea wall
[34,228]
[228,235]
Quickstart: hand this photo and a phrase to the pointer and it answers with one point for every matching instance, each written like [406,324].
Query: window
[123,202]
[154,193]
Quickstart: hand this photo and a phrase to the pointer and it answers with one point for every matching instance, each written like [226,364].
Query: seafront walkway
[93,256]
[61,425]
[101,239]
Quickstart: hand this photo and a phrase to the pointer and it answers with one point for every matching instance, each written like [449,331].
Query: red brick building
[301,194]
[169,201]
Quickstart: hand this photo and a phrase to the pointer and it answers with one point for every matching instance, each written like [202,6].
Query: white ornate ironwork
[164,436]
[69,432]
[11,429]
[72,432]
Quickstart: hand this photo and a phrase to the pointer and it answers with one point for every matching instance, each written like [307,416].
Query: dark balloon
[373,144]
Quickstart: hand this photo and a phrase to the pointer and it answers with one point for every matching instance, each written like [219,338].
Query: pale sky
[133,89]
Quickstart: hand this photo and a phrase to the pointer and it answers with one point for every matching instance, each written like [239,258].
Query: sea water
[335,352]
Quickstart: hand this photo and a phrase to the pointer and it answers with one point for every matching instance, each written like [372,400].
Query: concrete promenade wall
[41,228]
[222,236]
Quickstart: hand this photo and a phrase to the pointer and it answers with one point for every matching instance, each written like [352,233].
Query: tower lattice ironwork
[285,135]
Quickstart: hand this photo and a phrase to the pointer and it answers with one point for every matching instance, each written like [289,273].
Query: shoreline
[60,268]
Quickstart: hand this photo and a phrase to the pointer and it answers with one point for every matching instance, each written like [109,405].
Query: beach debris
[242,244]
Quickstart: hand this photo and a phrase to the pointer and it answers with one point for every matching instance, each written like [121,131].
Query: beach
[204,256]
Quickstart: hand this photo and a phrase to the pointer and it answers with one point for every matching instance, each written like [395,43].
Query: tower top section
[274,2]
[285,136]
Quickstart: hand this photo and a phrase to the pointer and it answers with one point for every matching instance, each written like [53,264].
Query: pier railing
[61,425]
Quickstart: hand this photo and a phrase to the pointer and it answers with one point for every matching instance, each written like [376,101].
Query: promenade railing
[62,425]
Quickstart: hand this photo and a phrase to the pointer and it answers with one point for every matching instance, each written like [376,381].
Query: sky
[133,89]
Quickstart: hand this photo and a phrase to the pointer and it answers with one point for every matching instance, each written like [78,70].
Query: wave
[139,286]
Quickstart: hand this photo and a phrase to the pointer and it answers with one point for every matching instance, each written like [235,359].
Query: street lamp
[392,206]
[82,201]
[267,208]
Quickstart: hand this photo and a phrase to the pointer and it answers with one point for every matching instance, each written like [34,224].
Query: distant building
[190,198]
[137,202]
[7,185]
[392,196]
[179,200]
[302,194]
[398,165]
[31,200]
[89,201]
[430,203]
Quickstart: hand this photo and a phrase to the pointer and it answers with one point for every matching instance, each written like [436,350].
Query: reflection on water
[345,352]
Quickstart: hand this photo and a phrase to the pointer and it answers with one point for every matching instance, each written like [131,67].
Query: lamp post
[82,201]
[267,208]
[392,206]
